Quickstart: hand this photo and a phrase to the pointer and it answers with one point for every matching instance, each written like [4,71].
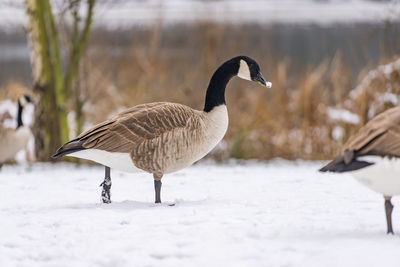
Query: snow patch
[343,115]
[337,133]
[387,70]
[239,214]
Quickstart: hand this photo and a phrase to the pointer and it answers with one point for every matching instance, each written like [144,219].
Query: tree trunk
[78,46]
[51,124]
[51,127]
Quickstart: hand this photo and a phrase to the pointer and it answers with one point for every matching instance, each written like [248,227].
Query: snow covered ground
[244,214]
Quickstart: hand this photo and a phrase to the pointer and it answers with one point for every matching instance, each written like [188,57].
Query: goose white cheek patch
[23,101]
[244,71]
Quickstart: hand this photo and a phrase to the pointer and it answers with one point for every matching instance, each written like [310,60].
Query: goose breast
[12,141]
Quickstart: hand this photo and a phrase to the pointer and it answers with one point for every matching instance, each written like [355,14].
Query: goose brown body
[159,137]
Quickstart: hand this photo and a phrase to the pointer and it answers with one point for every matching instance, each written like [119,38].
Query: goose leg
[389,209]
[106,184]
[157,186]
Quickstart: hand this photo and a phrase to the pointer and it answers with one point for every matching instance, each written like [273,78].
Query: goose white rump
[115,160]
[382,177]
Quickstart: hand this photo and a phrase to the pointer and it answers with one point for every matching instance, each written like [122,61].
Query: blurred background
[334,64]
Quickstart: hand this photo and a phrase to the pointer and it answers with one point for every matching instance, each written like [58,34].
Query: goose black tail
[338,165]
[68,148]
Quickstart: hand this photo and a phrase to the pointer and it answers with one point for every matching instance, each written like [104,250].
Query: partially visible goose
[14,140]
[372,157]
[162,137]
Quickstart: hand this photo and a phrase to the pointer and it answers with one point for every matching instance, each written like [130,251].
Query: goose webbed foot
[389,209]
[106,184]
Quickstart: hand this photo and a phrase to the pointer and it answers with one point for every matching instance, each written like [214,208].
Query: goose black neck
[215,95]
[19,117]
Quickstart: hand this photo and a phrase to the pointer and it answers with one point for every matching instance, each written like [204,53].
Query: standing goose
[14,140]
[162,137]
[372,157]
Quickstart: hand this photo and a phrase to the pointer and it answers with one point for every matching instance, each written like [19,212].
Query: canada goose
[372,157]
[162,137]
[14,140]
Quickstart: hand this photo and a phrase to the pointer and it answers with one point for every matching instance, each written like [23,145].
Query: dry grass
[291,120]
[13,90]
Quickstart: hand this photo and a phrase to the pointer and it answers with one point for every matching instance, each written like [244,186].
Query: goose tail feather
[68,148]
[339,165]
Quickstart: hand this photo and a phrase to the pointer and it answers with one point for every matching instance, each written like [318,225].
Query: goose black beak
[260,79]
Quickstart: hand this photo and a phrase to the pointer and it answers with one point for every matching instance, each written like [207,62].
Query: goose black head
[24,100]
[249,70]
[242,66]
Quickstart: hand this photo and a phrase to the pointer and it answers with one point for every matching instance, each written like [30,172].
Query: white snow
[382,77]
[337,132]
[389,98]
[253,214]
[344,115]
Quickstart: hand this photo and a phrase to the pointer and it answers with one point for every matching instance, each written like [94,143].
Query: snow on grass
[253,214]
[385,71]
[343,115]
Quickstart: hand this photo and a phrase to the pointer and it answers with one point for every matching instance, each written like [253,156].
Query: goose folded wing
[132,128]
[376,127]
[386,144]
